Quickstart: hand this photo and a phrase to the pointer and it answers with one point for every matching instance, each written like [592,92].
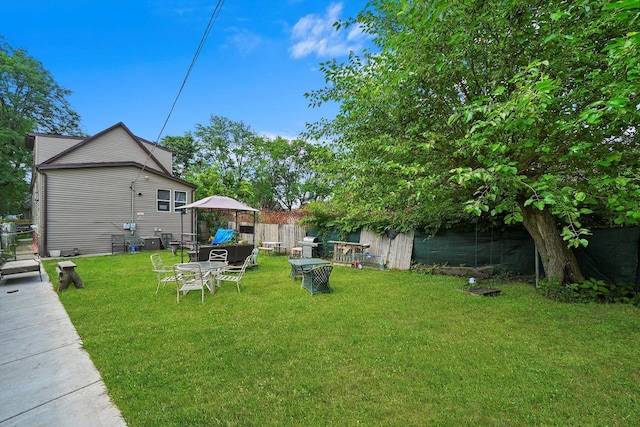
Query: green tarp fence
[510,250]
[612,254]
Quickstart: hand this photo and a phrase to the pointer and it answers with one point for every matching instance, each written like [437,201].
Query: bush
[591,290]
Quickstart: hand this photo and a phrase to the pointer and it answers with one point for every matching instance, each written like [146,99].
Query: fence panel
[288,234]
[612,254]
[396,252]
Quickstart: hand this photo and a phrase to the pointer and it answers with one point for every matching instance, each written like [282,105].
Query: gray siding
[48,146]
[164,156]
[82,207]
[86,206]
[114,146]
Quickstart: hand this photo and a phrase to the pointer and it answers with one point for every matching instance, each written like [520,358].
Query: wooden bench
[67,274]
[20,266]
[265,249]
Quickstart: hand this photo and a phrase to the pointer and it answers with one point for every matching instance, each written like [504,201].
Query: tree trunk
[558,260]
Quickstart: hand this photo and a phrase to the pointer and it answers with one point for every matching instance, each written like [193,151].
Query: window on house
[164,201]
[179,199]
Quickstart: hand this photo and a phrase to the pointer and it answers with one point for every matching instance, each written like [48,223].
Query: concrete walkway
[46,378]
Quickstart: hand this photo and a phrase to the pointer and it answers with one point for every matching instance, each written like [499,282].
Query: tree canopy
[229,157]
[30,101]
[521,111]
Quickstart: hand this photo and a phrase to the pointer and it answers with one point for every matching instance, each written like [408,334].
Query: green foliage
[229,158]
[491,108]
[386,348]
[590,290]
[30,101]
[185,154]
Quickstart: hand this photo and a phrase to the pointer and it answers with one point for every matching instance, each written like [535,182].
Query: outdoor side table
[67,274]
[299,265]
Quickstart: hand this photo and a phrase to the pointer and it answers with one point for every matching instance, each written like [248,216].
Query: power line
[212,20]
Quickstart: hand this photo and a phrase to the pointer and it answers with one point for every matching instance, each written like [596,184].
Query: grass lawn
[385,349]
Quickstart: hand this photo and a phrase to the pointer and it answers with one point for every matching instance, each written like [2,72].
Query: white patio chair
[218,255]
[190,277]
[165,275]
[233,273]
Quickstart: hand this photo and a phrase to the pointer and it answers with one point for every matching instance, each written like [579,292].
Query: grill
[310,247]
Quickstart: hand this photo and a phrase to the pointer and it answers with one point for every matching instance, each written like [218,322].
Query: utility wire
[212,20]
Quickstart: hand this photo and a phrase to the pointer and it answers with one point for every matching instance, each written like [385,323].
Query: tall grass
[386,348]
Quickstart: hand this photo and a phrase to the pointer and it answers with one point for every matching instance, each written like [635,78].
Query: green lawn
[385,349]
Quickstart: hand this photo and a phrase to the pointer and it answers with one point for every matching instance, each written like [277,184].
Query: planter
[54,254]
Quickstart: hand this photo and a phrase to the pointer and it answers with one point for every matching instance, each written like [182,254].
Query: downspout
[44,221]
[132,187]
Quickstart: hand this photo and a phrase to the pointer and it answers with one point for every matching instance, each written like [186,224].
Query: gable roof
[89,140]
[156,166]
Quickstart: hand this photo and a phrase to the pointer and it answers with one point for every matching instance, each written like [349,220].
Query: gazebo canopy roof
[219,203]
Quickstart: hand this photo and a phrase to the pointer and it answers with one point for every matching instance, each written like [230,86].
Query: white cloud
[242,40]
[272,135]
[314,34]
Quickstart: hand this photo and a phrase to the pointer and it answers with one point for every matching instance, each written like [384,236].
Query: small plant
[553,290]
[591,290]
[424,268]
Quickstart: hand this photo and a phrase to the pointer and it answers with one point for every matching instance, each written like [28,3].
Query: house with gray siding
[84,190]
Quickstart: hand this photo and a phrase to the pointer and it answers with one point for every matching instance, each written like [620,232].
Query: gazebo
[220,203]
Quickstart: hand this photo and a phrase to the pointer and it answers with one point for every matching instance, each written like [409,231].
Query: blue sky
[125,60]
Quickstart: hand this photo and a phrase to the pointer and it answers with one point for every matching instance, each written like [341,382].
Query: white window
[179,199]
[164,200]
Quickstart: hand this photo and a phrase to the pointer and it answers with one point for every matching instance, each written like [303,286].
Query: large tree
[270,173]
[186,159]
[284,177]
[509,108]
[30,101]
[229,147]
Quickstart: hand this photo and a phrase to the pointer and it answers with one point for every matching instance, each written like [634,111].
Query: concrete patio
[46,378]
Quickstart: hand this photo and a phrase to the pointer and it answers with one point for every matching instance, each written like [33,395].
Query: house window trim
[168,201]
[175,200]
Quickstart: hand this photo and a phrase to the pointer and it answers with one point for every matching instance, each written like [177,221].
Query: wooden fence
[396,252]
[288,234]
[612,254]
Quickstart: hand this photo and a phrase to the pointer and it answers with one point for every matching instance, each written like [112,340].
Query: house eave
[58,166]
